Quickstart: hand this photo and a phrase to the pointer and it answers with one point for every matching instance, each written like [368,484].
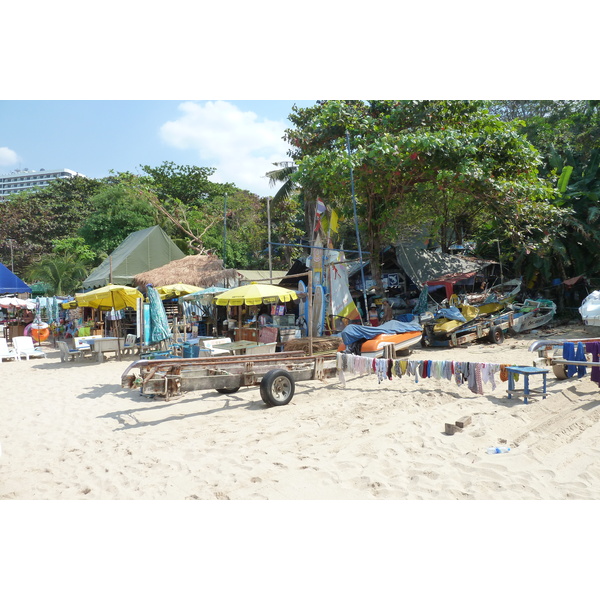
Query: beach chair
[129,347]
[23,345]
[6,352]
[66,353]
[81,344]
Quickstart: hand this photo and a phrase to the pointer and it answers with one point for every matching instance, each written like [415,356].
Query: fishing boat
[496,298]
[532,314]
[371,341]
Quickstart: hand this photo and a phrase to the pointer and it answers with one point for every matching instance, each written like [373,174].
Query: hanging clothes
[594,349]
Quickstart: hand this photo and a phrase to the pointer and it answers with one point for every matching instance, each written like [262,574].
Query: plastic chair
[6,352]
[81,344]
[129,347]
[66,353]
[23,346]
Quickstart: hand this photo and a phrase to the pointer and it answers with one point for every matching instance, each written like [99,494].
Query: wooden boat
[372,341]
[532,314]
[496,298]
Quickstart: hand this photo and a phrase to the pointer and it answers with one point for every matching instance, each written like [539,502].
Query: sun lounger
[23,345]
[6,352]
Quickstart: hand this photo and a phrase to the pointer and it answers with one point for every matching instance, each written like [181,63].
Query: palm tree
[61,272]
[283,175]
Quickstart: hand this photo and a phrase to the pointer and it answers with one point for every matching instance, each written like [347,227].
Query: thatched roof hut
[200,270]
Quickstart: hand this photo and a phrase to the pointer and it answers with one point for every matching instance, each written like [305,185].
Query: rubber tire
[277,388]
[406,351]
[496,335]
[232,390]
[560,371]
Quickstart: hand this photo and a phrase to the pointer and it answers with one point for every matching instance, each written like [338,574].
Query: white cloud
[8,157]
[241,145]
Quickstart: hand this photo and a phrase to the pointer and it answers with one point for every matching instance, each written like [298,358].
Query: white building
[25,179]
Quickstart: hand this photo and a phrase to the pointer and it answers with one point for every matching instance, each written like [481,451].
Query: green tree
[61,272]
[35,218]
[407,155]
[567,134]
[118,210]
[194,207]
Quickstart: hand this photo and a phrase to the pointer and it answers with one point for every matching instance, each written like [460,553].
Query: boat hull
[374,348]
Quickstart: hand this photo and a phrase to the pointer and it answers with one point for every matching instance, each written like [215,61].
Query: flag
[334,221]
[321,208]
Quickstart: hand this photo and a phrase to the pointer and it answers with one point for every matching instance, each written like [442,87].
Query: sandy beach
[68,431]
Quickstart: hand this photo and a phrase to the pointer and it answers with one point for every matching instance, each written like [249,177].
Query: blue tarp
[353,333]
[10,283]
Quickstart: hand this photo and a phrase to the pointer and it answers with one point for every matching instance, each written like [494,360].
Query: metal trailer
[275,374]
[492,328]
[550,355]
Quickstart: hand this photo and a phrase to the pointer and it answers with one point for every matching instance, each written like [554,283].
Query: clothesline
[474,374]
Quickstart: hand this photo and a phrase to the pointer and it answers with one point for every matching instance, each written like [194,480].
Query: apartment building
[26,179]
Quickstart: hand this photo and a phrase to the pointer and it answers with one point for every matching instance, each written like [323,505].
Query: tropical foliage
[411,158]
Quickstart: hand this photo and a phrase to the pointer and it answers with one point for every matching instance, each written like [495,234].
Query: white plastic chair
[23,345]
[81,344]
[6,352]
[129,347]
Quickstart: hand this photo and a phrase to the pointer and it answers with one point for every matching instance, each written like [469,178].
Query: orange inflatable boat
[371,341]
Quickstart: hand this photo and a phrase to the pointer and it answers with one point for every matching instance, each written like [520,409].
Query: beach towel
[594,349]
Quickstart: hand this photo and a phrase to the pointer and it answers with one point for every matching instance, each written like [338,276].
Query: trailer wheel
[496,335]
[232,390]
[560,371]
[277,388]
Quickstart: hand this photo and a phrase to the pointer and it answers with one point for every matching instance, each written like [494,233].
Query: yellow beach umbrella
[175,290]
[255,293]
[110,296]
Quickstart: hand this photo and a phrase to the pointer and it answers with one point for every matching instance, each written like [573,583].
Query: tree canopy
[411,157]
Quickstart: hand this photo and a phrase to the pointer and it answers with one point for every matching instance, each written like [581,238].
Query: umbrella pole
[112,294]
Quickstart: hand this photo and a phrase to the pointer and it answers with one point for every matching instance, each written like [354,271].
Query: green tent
[140,251]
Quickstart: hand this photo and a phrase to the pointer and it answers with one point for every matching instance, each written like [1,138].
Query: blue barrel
[191,350]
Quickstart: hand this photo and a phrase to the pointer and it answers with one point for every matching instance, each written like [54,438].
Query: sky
[240,139]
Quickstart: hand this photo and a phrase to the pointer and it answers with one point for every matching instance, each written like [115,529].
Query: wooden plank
[463,422]
[450,429]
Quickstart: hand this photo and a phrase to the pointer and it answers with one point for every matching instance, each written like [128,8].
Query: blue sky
[240,139]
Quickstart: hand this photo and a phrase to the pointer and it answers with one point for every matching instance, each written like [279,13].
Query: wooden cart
[276,374]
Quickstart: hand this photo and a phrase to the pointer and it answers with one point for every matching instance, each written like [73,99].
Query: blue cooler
[191,350]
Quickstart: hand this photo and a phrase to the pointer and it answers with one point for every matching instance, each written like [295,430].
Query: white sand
[69,431]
